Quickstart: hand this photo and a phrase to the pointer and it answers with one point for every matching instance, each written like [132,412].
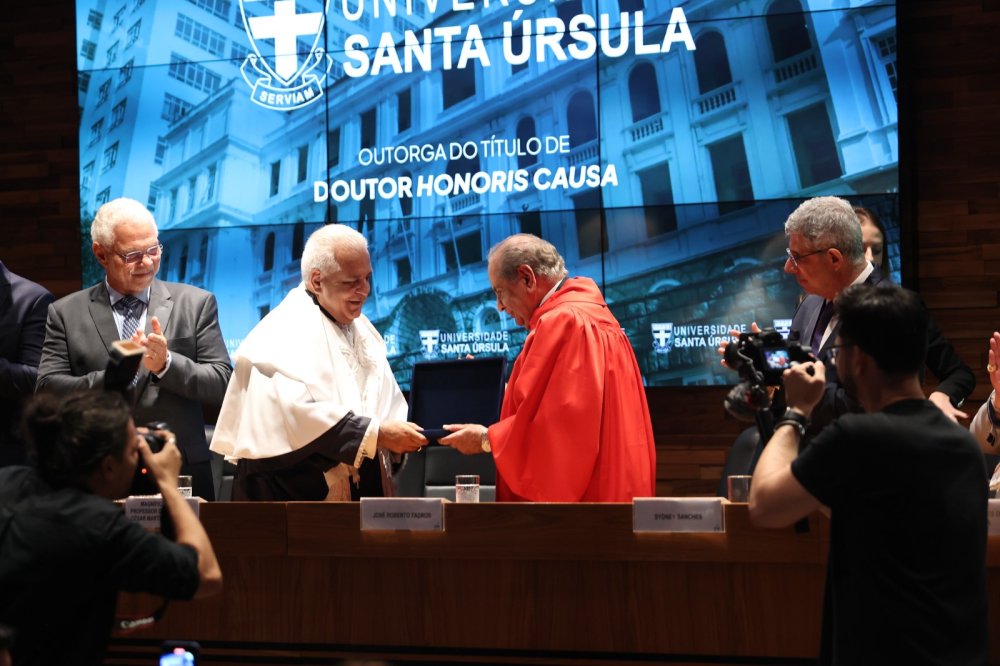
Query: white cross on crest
[280,80]
[663,337]
[284,27]
[429,341]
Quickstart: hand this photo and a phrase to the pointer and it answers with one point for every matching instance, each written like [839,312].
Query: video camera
[762,357]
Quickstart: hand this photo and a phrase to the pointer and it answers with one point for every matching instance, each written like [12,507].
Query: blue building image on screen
[659,144]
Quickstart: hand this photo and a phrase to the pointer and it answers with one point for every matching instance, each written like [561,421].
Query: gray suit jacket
[78,337]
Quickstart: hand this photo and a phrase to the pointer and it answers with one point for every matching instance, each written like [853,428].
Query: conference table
[502,583]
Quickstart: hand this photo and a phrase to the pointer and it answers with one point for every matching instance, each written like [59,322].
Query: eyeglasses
[834,351]
[796,258]
[136,256]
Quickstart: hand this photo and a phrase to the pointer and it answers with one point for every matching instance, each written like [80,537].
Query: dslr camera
[762,357]
[156,442]
[144,483]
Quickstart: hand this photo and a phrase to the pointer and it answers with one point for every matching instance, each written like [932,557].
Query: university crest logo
[663,337]
[280,73]
[429,341]
[783,326]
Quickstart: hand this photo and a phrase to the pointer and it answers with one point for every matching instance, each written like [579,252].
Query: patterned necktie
[130,308]
[825,315]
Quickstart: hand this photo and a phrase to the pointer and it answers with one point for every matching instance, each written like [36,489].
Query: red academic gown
[575,425]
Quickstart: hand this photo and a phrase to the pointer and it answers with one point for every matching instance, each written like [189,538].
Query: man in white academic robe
[313,411]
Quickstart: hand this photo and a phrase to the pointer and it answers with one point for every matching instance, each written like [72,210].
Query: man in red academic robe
[575,425]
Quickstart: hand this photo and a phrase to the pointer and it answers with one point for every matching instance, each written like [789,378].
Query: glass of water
[467,488]
[739,488]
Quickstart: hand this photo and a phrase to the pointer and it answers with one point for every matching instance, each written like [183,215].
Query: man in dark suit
[22,330]
[826,254]
[185,363]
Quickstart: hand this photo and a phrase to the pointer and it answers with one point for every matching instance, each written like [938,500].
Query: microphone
[745,400]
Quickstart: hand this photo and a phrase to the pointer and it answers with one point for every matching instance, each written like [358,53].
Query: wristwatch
[795,419]
[485,441]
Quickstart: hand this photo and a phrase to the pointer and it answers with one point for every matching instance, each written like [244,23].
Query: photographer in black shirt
[66,549]
[905,487]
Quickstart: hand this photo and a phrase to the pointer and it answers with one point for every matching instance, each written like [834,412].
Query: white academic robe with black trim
[296,375]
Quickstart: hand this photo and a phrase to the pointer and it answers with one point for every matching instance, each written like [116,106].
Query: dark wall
[952,146]
[39,157]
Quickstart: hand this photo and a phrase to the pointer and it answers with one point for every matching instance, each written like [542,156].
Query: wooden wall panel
[953,151]
[955,141]
[39,189]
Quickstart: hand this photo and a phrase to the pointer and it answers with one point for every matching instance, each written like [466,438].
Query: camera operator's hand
[804,386]
[164,465]
[400,436]
[721,350]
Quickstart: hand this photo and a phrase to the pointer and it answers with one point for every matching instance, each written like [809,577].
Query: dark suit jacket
[955,378]
[22,330]
[78,337]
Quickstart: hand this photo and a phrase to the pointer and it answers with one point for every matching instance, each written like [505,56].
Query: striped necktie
[130,308]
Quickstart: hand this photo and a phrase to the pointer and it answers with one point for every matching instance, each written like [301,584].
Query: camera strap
[128,625]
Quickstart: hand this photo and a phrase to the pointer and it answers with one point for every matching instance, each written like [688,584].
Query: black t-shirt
[64,555]
[906,579]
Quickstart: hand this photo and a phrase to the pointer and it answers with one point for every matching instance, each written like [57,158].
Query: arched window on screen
[643,92]
[711,62]
[581,119]
[525,131]
[787,29]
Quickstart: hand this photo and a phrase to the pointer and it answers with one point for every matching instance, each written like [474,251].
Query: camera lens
[155,441]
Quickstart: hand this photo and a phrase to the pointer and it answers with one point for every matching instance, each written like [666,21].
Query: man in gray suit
[185,362]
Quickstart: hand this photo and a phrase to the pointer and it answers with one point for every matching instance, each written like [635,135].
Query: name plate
[993,516]
[145,509]
[664,514]
[402,513]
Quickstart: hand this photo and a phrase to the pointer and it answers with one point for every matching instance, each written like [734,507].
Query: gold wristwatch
[485,441]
